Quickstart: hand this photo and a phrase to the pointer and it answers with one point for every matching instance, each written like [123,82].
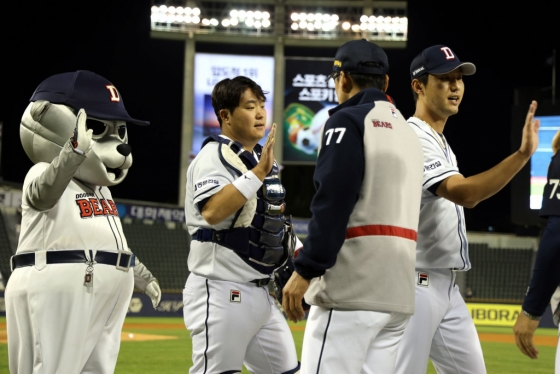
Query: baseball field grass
[163,345]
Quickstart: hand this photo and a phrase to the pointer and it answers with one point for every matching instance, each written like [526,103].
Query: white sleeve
[436,165]
[207,175]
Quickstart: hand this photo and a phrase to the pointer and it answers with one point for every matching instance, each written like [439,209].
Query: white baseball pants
[557,364]
[354,342]
[235,324]
[56,326]
[441,329]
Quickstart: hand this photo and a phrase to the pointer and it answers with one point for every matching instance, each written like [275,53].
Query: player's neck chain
[439,138]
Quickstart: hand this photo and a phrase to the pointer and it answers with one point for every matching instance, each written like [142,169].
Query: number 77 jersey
[366,209]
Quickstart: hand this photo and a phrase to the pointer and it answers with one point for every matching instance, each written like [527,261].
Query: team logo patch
[205,183]
[432,166]
[393,112]
[378,123]
[448,54]
[114,93]
[423,279]
[234,296]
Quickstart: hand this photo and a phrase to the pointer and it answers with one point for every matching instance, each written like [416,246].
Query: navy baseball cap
[351,56]
[438,59]
[87,90]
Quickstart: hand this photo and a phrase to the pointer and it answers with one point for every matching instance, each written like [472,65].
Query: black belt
[121,260]
[261,282]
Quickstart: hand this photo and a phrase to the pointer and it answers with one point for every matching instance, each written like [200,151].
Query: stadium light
[302,22]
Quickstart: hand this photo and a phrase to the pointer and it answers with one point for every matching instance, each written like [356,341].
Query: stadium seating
[163,247]
[498,274]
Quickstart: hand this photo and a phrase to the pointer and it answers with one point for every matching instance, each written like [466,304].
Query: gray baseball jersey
[441,327]
[91,219]
[442,236]
[206,176]
[232,321]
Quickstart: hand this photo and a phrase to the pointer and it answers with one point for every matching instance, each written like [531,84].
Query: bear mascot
[71,281]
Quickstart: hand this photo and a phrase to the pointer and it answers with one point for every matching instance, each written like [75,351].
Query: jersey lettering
[114,93]
[86,210]
[85,194]
[107,211]
[377,123]
[432,166]
[114,210]
[448,54]
[96,208]
[207,182]
[329,133]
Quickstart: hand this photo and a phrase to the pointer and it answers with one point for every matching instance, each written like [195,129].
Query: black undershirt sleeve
[201,203]
[546,272]
[433,188]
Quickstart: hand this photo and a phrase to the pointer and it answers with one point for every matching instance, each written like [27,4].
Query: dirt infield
[549,341]
[136,337]
[125,337]
[153,326]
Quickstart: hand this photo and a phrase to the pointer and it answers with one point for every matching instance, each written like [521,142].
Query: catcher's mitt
[281,277]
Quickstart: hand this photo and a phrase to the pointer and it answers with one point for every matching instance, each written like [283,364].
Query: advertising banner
[171,305]
[307,98]
[209,69]
[502,315]
[153,213]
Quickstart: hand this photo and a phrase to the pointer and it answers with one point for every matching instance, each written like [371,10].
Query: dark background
[509,45]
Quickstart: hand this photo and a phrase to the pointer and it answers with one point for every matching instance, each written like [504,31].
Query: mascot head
[50,119]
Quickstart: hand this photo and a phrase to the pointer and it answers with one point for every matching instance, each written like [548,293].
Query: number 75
[555,182]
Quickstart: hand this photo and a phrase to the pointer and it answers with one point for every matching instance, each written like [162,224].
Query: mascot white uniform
[71,285]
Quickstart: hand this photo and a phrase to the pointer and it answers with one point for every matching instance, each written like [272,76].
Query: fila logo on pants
[423,279]
[235,296]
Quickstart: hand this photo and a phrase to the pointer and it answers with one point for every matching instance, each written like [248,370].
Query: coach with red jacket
[356,267]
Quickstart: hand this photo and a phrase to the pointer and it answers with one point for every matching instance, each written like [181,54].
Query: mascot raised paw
[71,284]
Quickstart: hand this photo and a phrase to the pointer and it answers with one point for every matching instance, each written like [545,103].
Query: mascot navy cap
[351,56]
[87,90]
[438,59]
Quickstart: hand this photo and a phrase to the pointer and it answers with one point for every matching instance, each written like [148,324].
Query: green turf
[174,356]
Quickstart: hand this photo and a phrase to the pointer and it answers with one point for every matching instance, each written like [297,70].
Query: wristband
[530,316]
[248,184]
